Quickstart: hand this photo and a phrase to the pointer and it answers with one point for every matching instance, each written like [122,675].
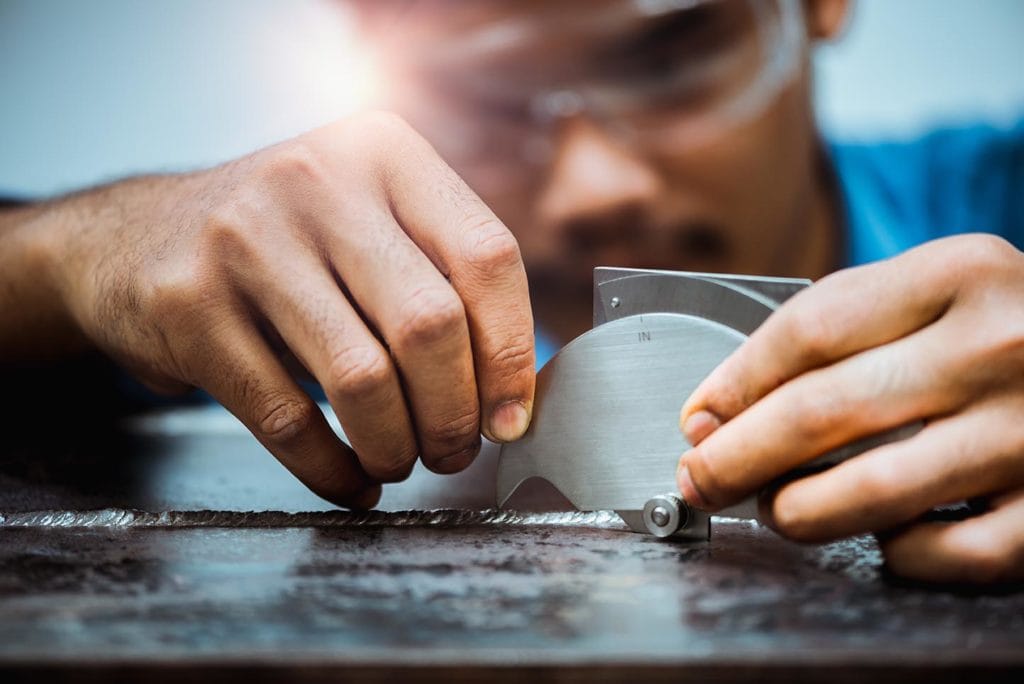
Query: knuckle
[355,372]
[516,356]
[429,315]
[995,356]
[981,251]
[295,164]
[710,483]
[814,415]
[1011,342]
[395,467]
[228,233]
[179,298]
[965,258]
[728,395]
[453,433]
[172,291]
[793,522]
[985,555]
[454,461]
[813,332]
[885,483]
[283,419]
[489,247]
[881,482]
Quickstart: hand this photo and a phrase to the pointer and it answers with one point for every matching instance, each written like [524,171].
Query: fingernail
[686,487]
[698,426]
[509,421]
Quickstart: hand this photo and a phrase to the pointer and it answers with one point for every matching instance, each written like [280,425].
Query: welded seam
[131,518]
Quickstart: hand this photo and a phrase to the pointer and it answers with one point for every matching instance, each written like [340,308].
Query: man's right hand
[353,250]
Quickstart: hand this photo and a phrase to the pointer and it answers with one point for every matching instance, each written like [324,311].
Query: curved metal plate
[680,293]
[605,429]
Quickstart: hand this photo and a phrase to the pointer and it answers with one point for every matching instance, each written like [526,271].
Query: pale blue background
[105,88]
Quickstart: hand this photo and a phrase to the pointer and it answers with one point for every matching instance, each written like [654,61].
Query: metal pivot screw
[615,301]
[660,516]
[664,515]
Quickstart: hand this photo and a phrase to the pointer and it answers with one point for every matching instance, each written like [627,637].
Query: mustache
[632,240]
[689,239]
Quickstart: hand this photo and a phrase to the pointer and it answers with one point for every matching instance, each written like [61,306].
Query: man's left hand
[935,335]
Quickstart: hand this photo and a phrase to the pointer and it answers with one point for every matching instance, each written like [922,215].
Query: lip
[701,246]
[672,245]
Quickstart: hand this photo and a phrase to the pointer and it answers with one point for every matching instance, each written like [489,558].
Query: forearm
[47,252]
[34,324]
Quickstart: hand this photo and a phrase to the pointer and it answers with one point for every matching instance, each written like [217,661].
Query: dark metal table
[132,557]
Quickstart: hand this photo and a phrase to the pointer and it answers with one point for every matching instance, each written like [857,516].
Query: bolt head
[660,516]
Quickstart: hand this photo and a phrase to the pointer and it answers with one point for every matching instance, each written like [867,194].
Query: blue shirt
[957,180]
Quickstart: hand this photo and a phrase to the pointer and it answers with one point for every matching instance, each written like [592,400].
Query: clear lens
[674,72]
[752,51]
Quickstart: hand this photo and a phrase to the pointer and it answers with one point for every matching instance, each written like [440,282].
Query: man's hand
[935,335]
[353,253]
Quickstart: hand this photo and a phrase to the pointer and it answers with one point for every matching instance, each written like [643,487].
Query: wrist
[37,322]
[95,246]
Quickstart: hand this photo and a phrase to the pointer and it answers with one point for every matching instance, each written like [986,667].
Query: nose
[594,177]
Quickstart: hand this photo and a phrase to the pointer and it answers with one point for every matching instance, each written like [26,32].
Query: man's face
[632,133]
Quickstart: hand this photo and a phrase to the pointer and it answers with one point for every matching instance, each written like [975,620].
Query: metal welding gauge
[606,412]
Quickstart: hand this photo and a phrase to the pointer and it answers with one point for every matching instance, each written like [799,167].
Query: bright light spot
[316,64]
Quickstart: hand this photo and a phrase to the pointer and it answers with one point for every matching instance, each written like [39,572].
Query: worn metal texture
[604,430]
[191,584]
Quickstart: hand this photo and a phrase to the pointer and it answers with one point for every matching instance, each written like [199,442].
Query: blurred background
[93,91]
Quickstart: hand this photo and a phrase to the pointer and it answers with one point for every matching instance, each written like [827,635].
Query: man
[654,133]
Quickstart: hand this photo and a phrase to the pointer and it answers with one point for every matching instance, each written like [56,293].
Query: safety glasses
[660,75]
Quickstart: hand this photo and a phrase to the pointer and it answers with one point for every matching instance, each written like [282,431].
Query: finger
[953,459]
[300,297]
[985,549]
[468,243]
[844,313]
[866,394]
[240,371]
[423,321]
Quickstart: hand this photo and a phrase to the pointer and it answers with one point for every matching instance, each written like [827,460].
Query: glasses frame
[780,24]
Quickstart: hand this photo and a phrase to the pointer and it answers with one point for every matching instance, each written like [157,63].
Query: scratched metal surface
[134,556]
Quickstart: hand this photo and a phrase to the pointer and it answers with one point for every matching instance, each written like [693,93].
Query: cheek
[756,178]
[754,160]
[779,148]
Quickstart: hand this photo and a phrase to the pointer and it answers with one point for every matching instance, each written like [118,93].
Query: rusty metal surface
[191,584]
